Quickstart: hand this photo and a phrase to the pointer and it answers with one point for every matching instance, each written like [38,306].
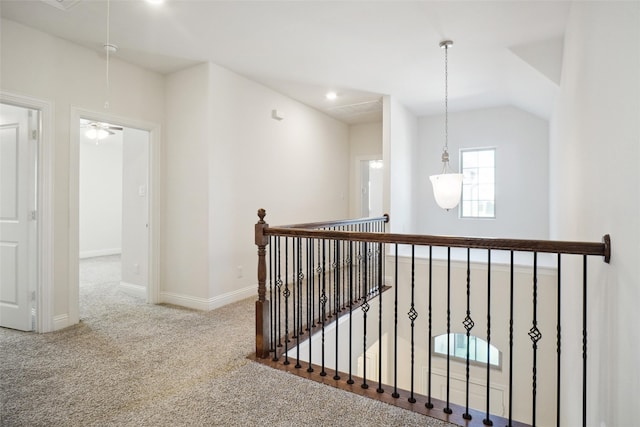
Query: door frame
[153,191]
[44,240]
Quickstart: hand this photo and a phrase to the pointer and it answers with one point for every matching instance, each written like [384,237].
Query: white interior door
[17,216]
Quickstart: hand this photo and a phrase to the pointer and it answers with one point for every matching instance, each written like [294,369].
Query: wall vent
[61,4]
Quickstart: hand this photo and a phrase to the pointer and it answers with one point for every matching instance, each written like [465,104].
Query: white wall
[135,207]
[365,142]
[69,75]
[226,157]
[100,196]
[521,141]
[595,151]
[185,205]
[400,140]
[297,169]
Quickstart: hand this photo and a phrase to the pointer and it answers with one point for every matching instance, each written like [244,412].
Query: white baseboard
[100,252]
[134,290]
[229,297]
[185,301]
[61,321]
[206,304]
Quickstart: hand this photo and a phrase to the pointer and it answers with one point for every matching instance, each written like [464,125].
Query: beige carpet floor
[129,363]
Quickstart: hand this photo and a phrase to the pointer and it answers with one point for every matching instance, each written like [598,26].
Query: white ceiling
[505,52]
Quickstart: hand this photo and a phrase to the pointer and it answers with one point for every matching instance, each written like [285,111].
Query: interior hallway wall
[595,152]
[226,158]
[100,196]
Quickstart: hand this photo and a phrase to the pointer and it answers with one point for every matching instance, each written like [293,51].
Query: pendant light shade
[447,187]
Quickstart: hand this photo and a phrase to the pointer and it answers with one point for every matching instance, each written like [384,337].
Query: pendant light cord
[107,47]
[446,99]
[445,151]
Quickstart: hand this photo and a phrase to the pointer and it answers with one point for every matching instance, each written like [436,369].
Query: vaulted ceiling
[504,53]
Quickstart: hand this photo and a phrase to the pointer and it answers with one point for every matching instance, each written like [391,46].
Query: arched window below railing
[478,352]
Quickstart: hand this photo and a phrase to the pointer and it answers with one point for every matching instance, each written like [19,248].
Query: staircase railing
[322,285]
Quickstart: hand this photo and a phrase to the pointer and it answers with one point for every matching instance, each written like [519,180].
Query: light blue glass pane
[487,209]
[466,208]
[469,159]
[440,344]
[470,176]
[486,158]
[486,192]
[466,192]
[486,175]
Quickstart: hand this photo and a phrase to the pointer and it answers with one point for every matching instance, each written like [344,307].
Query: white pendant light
[447,186]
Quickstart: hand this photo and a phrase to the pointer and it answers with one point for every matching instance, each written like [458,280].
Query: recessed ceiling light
[155,1]
[331,96]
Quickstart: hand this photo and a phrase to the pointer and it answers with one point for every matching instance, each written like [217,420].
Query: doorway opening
[113,201]
[371,179]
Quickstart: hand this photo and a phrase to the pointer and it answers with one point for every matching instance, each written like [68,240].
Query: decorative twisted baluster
[413,315]
[535,335]
[468,325]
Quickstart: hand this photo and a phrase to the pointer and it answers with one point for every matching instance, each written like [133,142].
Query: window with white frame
[479,184]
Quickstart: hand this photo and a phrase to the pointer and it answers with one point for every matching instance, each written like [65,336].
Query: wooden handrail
[338,223]
[549,246]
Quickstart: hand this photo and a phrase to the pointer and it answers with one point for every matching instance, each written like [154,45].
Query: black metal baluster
[272,311]
[286,295]
[320,273]
[359,272]
[395,328]
[535,335]
[448,410]
[511,342]
[279,302]
[468,325]
[584,341]
[413,315]
[350,380]
[310,297]
[345,262]
[365,309]
[429,405]
[329,288]
[300,276]
[380,389]
[337,297]
[559,337]
[487,421]
[294,285]
[323,302]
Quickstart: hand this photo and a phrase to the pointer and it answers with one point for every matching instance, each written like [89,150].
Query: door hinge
[34,215]
[34,134]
